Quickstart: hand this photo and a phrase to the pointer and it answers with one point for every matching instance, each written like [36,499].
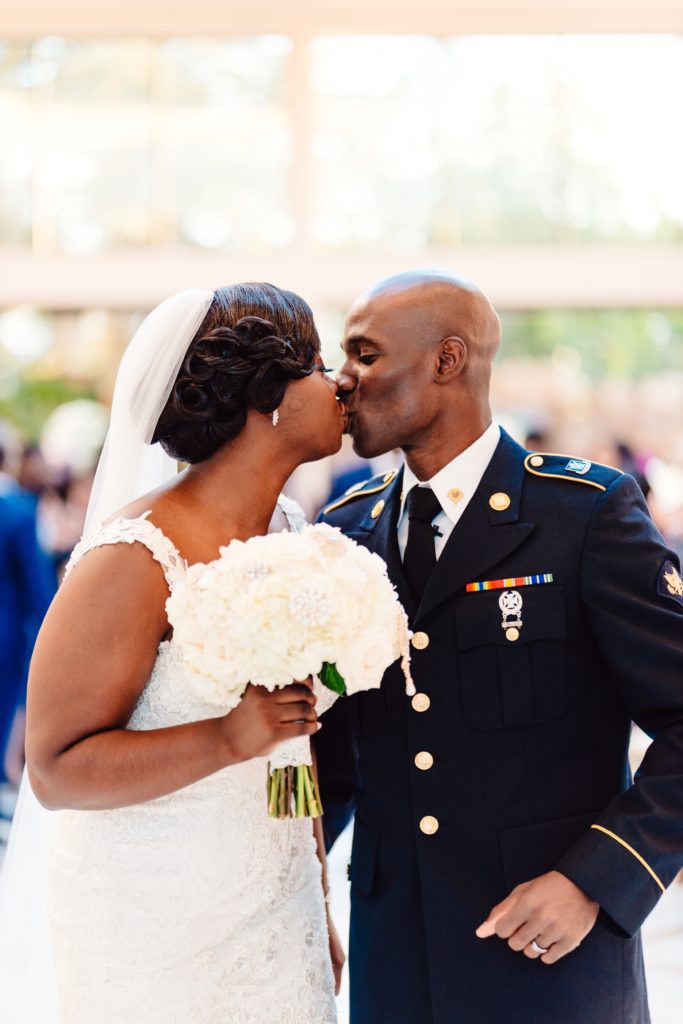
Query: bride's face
[312,416]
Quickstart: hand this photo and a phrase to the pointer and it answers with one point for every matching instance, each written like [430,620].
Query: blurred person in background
[619,454]
[34,475]
[10,458]
[26,589]
[537,440]
[61,516]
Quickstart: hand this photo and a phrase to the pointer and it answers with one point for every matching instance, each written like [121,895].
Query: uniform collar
[462,475]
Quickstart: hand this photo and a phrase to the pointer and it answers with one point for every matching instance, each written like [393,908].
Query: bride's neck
[238,487]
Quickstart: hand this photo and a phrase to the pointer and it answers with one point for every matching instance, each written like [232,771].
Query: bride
[172,896]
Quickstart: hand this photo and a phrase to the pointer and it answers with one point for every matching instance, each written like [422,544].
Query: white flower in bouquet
[285,606]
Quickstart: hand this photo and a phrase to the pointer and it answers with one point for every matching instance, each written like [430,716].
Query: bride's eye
[367,359]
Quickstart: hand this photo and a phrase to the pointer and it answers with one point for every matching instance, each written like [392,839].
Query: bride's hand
[337,954]
[262,720]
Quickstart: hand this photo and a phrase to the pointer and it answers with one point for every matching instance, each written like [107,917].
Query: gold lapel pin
[455,494]
[499,501]
[377,510]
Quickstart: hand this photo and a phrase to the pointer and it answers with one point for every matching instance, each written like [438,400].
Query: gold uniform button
[420,702]
[429,825]
[377,509]
[512,633]
[499,501]
[424,760]
[536,461]
[419,641]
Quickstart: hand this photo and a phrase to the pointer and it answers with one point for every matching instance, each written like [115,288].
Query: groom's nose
[346,382]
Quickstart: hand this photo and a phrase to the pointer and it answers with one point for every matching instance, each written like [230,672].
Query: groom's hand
[550,910]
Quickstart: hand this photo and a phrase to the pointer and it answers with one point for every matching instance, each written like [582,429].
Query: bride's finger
[290,730]
[294,693]
[298,712]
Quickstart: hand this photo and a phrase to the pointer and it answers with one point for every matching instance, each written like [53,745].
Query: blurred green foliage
[625,343]
[32,401]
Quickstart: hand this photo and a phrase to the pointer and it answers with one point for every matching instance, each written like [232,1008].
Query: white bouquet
[282,607]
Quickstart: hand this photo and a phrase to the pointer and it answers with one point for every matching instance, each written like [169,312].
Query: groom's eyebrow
[356,340]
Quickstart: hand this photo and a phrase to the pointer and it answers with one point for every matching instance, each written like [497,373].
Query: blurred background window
[547,167]
[423,141]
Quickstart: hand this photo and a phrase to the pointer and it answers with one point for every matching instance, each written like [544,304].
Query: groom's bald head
[419,346]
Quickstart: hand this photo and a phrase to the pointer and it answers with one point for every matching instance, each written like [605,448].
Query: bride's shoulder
[133,531]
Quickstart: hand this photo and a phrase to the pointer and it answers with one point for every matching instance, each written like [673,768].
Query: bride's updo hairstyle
[253,341]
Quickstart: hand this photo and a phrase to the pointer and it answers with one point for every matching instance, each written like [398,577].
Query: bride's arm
[93,657]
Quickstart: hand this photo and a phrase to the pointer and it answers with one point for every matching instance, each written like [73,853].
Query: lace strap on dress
[131,531]
[293,513]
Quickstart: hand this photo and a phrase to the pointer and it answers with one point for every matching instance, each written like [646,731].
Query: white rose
[365,661]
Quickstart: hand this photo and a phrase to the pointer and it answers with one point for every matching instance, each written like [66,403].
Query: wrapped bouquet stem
[283,607]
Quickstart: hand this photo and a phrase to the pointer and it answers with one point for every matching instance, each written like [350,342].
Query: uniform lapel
[482,537]
[380,535]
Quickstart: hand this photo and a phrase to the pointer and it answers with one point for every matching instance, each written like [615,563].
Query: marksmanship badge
[510,603]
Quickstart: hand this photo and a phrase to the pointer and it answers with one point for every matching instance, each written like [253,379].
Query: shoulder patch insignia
[580,466]
[564,467]
[372,486]
[669,583]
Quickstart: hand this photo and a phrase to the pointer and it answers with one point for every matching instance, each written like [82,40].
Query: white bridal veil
[129,467]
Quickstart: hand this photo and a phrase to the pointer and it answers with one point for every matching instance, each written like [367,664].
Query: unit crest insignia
[674,582]
[669,582]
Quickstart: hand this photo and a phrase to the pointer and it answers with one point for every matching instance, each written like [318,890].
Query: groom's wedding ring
[538,949]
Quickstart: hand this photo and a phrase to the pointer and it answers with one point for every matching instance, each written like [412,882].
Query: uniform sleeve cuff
[612,875]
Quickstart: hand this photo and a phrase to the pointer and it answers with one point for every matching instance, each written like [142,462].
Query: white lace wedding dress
[194,908]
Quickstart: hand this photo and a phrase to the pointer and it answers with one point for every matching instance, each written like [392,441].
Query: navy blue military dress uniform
[553,618]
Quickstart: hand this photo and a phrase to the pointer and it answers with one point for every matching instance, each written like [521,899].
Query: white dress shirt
[454,485]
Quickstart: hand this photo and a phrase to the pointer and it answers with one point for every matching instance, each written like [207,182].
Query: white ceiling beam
[515,277]
[27,18]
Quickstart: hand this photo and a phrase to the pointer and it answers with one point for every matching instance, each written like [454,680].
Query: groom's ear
[451,358]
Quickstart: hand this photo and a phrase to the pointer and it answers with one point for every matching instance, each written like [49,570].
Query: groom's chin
[367,447]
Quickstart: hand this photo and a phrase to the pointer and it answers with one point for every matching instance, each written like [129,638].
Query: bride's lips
[345,417]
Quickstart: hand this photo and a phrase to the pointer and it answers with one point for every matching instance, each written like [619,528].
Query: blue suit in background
[27,585]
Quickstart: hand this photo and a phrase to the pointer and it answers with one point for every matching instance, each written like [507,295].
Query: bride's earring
[276,417]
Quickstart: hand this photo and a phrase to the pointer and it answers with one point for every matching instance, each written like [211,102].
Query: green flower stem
[313,801]
[272,794]
[300,794]
[293,792]
[283,809]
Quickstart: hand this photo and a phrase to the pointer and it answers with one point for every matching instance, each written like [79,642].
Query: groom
[503,860]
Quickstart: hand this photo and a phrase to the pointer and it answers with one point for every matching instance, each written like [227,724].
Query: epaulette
[567,467]
[372,486]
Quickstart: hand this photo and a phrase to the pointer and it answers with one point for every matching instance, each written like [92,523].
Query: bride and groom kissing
[502,861]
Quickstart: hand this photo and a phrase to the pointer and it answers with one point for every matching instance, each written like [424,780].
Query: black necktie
[419,558]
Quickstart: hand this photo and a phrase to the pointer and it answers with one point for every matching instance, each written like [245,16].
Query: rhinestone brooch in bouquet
[282,607]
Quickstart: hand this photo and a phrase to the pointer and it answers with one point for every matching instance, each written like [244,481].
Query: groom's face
[386,380]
